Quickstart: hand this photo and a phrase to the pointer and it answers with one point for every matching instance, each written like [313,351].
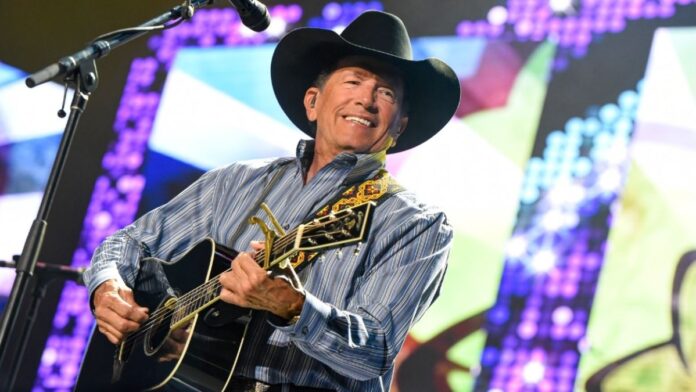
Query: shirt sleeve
[363,340]
[166,232]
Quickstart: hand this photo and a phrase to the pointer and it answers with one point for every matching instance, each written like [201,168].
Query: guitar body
[200,354]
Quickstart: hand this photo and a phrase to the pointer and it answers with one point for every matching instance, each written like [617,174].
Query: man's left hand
[249,286]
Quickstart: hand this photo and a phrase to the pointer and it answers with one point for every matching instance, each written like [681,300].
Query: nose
[367,97]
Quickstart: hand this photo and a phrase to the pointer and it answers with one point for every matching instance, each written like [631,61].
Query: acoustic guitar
[192,340]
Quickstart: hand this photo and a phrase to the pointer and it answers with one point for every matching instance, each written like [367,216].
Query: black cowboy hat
[432,87]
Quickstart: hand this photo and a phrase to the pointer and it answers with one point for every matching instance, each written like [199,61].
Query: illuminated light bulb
[543,261]
[562,315]
[562,6]
[516,246]
[610,180]
[497,15]
[277,27]
[527,330]
[567,194]
[332,11]
[553,220]
[533,372]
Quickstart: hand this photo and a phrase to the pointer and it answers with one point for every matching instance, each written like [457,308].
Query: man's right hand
[116,311]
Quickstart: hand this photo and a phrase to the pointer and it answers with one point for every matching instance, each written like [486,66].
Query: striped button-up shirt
[359,303]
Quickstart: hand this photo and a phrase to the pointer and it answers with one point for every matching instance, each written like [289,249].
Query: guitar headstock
[336,229]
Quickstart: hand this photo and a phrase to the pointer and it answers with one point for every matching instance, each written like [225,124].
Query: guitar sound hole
[157,333]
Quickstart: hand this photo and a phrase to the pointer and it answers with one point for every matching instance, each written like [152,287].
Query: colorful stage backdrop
[568,177]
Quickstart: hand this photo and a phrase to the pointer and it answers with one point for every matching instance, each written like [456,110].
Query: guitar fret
[183,311]
[187,310]
[176,314]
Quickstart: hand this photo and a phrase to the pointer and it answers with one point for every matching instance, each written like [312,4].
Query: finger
[238,266]
[250,269]
[137,313]
[116,320]
[113,339]
[227,280]
[128,312]
[231,298]
[258,245]
[119,328]
[110,332]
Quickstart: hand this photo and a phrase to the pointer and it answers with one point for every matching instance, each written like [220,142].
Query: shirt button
[305,330]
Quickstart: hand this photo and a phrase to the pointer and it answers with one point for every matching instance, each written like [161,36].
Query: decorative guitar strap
[375,189]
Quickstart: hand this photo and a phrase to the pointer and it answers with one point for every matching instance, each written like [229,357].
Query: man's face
[358,108]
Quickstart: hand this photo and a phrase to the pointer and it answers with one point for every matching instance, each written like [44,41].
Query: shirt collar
[363,164]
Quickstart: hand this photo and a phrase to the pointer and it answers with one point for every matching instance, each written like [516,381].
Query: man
[358,94]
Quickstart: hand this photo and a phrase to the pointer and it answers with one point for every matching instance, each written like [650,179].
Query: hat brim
[432,87]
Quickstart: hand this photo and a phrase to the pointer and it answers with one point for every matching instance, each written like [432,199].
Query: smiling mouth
[359,121]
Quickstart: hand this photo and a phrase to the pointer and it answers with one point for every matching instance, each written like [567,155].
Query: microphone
[50,270]
[253,14]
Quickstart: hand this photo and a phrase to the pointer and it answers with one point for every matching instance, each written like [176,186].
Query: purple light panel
[536,328]
[336,16]
[573,28]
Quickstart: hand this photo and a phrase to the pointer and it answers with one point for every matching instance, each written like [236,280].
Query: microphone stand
[45,274]
[79,70]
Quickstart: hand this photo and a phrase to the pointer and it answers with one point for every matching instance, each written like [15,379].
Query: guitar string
[212,285]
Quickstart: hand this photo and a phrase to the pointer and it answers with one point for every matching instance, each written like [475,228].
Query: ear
[309,101]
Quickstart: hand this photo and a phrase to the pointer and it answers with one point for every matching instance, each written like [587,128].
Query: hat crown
[380,31]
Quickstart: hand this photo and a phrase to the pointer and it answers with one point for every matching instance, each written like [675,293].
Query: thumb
[127,295]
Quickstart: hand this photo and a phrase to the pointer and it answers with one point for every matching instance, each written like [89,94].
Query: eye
[388,94]
[354,82]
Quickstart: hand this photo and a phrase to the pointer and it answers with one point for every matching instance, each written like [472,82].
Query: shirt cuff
[313,319]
